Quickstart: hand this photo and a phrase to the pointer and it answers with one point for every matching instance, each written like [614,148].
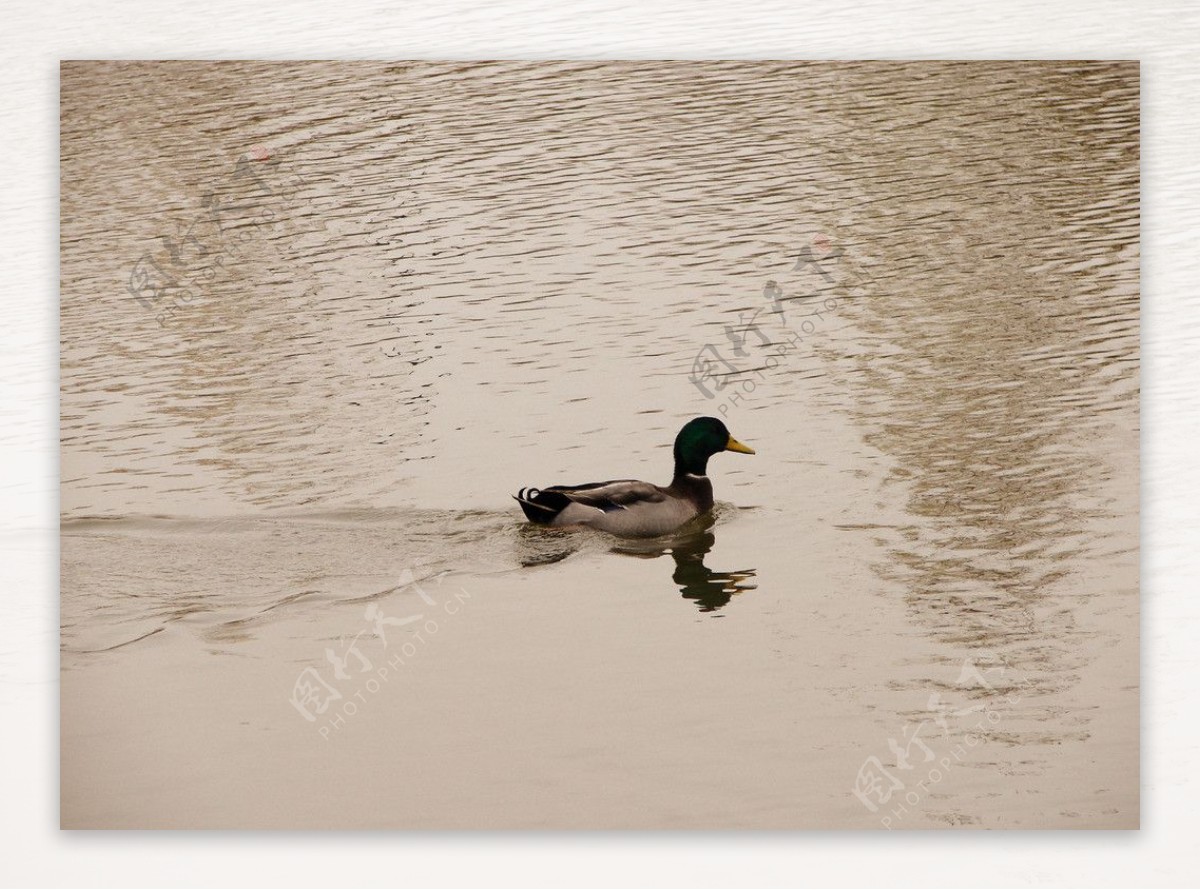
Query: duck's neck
[690,463]
[697,489]
[691,481]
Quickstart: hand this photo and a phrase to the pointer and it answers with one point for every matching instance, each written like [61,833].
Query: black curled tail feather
[541,506]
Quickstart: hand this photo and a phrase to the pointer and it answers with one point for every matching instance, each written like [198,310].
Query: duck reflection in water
[710,590]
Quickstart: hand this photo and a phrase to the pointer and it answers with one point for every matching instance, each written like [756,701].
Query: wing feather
[620,494]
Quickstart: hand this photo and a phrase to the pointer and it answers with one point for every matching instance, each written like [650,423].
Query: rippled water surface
[320,321]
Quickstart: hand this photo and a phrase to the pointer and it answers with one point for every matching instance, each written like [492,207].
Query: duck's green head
[699,440]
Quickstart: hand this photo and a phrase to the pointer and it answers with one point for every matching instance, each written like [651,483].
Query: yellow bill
[734,445]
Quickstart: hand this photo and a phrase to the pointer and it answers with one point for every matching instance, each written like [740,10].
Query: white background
[1164,36]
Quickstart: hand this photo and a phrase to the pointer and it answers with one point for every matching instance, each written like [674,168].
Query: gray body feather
[621,507]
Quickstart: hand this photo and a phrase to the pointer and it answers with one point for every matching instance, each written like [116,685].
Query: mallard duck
[639,509]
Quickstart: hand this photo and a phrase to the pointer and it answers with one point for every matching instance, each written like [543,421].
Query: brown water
[320,321]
